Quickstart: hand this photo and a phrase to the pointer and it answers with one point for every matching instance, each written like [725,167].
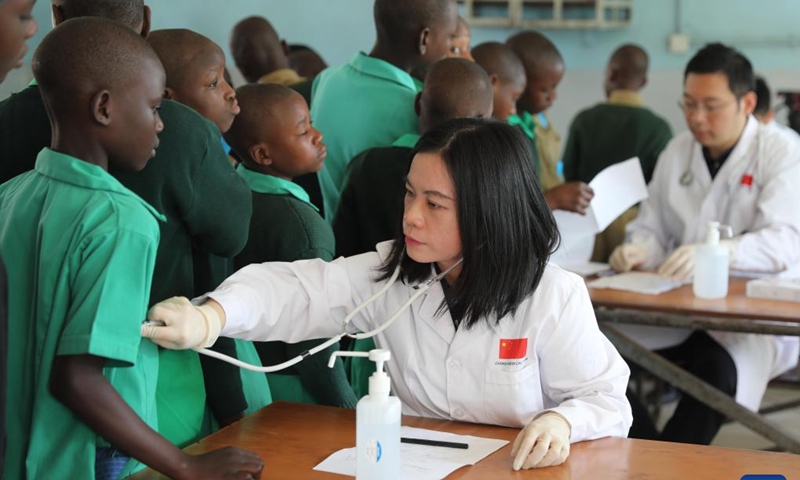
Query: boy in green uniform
[372,200]
[260,55]
[369,101]
[189,181]
[16,27]
[506,73]
[195,69]
[80,250]
[614,131]
[276,142]
[544,69]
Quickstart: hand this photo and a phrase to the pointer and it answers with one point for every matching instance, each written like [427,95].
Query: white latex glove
[185,326]
[679,266]
[627,256]
[543,443]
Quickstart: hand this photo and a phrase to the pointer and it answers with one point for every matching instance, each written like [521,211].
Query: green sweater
[371,207]
[609,133]
[207,206]
[285,227]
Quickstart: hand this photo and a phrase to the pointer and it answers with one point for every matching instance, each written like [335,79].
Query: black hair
[398,20]
[719,58]
[127,12]
[764,97]
[507,229]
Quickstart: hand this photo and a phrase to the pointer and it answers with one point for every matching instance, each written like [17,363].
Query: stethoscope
[687,177]
[420,290]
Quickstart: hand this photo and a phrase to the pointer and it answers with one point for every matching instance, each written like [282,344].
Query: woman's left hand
[543,443]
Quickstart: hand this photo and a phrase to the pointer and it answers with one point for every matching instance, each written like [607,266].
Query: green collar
[67,169]
[525,122]
[262,183]
[381,69]
[409,140]
[33,83]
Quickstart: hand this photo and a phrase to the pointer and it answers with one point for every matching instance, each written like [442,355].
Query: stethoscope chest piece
[686,178]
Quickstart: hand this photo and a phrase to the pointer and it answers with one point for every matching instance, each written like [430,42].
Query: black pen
[434,443]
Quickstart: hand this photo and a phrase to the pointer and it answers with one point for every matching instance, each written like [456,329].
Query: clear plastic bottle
[377,424]
[711,265]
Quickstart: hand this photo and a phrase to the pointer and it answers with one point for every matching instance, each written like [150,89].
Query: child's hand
[572,197]
[227,463]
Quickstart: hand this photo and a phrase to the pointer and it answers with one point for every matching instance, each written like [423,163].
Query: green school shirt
[286,227]
[609,133]
[207,206]
[80,249]
[371,208]
[363,104]
[528,127]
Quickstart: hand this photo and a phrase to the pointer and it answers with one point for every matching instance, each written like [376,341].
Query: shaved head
[627,69]
[183,53]
[498,59]
[257,49]
[454,88]
[536,51]
[258,116]
[127,12]
[401,21]
[85,55]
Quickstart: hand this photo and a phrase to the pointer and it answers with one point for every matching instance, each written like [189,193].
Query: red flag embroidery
[747,180]
[513,348]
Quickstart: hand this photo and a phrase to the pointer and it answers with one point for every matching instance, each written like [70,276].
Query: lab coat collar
[427,308]
[742,152]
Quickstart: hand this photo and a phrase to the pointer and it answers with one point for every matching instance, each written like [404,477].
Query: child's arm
[77,381]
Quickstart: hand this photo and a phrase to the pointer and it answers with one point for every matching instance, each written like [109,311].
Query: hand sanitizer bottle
[377,423]
[711,265]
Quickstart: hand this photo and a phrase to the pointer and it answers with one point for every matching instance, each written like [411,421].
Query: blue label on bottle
[374,451]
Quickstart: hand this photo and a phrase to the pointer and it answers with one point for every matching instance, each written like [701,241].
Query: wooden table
[293,438]
[680,309]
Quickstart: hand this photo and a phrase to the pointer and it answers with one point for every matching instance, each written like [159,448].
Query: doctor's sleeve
[648,229]
[584,374]
[291,302]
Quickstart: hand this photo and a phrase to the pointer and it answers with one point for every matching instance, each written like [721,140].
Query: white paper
[639,282]
[421,462]
[587,269]
[616,189]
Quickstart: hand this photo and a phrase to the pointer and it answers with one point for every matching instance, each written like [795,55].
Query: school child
[544,69]
[276,142]
[461,43]
[189,181]
[506,73]
[80,250]
[501,337]
[369,102]
[369,211]
[260,55]
[306,61]
[614,131]
[195,77]
[17,26]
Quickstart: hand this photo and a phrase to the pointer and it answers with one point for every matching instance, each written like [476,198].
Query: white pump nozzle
[378,381]
[714,228]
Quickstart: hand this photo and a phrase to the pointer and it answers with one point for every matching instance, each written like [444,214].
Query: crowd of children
[118,193]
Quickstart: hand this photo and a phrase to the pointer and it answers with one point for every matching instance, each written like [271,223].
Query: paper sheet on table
[587,269]
[616,189]
[420,462]
[638,282]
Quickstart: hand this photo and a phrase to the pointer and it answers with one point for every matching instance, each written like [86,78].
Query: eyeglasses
[710,110]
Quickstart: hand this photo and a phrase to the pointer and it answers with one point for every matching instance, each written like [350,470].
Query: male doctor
[727,168]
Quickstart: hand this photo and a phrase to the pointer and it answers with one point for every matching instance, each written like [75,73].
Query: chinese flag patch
[513,349]
[747,180]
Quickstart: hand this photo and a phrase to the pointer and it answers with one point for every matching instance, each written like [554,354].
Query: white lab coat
[764,216]
[436,371]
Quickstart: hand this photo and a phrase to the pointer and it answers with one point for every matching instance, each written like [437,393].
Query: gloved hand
[185,326]
[627,256]
[543,443]
[679,266]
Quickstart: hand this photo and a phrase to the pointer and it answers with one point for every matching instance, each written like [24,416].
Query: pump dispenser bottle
[377,423]
[711,265]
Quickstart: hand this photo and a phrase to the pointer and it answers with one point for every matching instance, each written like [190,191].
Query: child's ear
[102,107]
[418,103]
[57,15]
[285,47]
[169,93]
[424,37]
[260,154]
[494,80]
[146,24]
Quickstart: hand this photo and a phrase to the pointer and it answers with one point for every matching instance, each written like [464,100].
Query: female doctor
[503,339]
[731,169]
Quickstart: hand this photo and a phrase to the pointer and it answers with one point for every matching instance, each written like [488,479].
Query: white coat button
[458,413]
[454,363]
